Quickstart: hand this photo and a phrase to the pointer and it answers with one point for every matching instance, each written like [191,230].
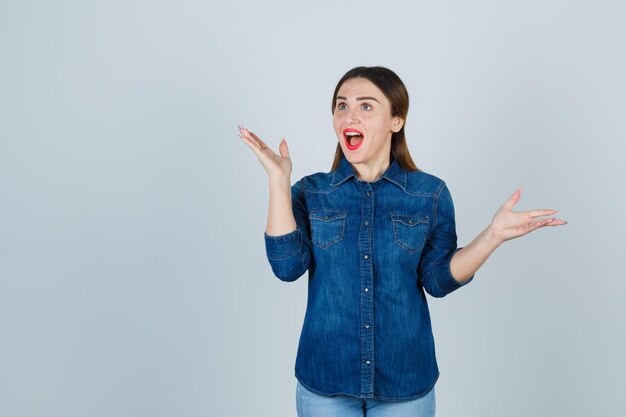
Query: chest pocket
[327,227]
[409,231]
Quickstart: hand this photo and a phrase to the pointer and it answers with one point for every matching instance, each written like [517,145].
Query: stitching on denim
[419,194]
[318,190]
[436,212]
[303,260]
[409,398]
[301,195]
[321,393]
[430,178]
[455,283]
[375,397]
[290,254]
[331,188]
[422,218]
[336,214]
[441,290]
[339,219]
[443,184]
[419,217]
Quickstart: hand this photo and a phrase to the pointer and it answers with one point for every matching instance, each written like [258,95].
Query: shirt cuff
[283,246]
[449,283]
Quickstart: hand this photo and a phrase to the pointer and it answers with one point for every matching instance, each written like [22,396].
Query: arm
[434,269]
[280,219]
[505,225]
[465,263]
[289,250]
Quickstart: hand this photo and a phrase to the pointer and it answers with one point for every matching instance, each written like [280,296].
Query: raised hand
[275,165]
[508,224]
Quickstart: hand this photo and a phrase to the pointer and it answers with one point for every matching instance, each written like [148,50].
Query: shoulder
[424,183]
[318,182]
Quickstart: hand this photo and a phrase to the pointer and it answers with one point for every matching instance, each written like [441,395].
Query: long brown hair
[393,88]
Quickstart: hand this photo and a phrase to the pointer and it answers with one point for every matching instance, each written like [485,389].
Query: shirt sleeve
[434,267]
[289,254]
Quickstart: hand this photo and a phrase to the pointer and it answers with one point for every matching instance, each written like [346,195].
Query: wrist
[491,237]
[280,180]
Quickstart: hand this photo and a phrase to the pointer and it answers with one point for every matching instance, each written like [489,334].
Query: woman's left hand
[508,224]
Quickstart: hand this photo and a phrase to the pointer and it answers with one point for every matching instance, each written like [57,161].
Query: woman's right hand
[275,165]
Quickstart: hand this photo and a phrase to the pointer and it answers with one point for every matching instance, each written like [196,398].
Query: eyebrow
[359,98]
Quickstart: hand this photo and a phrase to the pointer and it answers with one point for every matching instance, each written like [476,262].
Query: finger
[552,221]
[252,135]
[262,144]
[556,222]
[513,199]
[241,128]
[251,144]
[283,148]
[540,212]
[537,224]
[259,144]
[251,141]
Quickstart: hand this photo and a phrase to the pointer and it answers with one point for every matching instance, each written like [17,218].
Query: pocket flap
[327,215]
[410,219]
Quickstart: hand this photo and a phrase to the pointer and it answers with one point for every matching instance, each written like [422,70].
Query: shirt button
[367,362]
[367,289]
[368,193]
[365,256]
[366,222]
[367,326]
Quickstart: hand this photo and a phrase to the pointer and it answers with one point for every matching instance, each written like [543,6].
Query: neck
[370,172]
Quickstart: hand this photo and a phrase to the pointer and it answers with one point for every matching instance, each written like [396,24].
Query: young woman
[375,234]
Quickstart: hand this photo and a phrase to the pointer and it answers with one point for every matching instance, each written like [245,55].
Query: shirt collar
[393,173]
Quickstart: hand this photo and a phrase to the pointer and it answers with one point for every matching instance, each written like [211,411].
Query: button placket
[365,244]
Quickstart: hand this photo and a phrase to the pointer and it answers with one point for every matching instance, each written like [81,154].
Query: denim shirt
[371,250]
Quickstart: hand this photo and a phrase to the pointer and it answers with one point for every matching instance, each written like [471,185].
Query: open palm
[275,165]
[508,224]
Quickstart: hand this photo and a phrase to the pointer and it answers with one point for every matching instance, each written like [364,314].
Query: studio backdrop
[133,274]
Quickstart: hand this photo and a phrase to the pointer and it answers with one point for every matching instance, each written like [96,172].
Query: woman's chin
[354,158]
[353,153]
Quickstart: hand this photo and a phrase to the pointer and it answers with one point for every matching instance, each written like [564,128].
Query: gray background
[133,277]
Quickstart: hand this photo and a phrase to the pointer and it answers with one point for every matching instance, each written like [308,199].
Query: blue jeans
[310,404]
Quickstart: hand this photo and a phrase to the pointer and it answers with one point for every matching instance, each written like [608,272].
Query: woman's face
[363,110]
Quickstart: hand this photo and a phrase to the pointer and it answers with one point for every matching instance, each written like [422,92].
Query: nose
[352,117]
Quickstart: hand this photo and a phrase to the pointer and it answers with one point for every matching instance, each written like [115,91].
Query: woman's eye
[364,106]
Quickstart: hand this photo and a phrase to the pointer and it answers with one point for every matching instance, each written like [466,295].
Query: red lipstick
[355,136]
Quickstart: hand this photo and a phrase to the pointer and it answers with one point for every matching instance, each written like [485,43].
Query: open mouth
[353,137]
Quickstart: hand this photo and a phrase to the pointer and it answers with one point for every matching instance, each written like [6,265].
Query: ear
[396,124]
